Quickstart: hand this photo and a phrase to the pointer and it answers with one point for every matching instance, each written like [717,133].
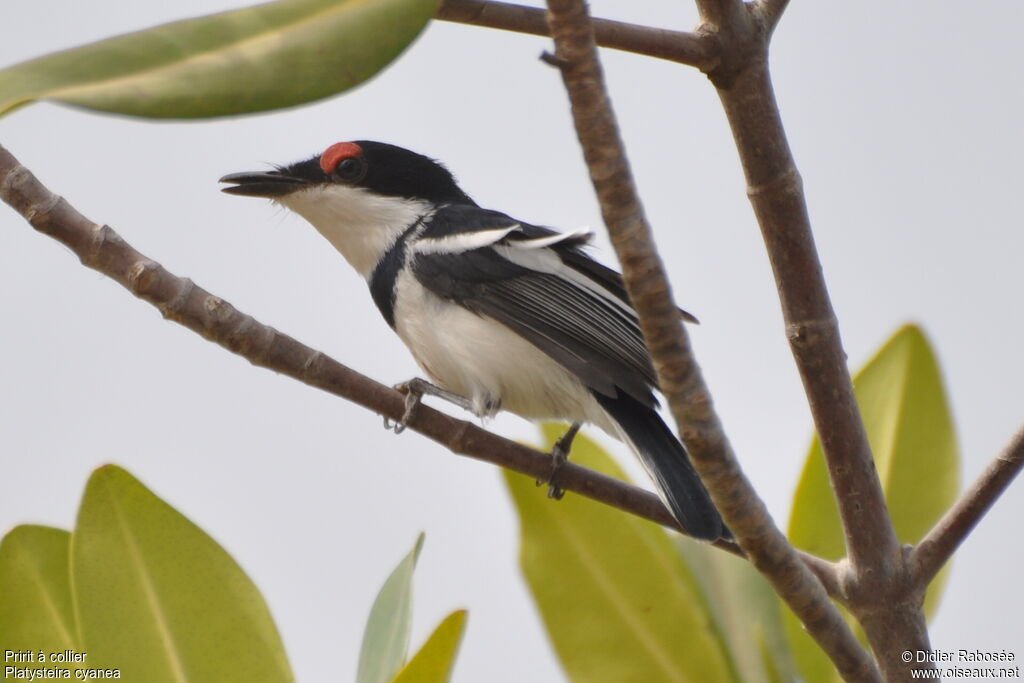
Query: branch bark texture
[679,377]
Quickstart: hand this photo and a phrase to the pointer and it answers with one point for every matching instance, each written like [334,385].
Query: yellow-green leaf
[746,611]
[158,599]
[386,638]
[36,612]
[910,428]
[617,600]
[436,659]
[278,54]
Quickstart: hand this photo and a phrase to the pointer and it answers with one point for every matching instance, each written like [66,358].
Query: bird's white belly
[486,362]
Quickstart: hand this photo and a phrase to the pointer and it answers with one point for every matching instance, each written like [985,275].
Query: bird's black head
[376,166]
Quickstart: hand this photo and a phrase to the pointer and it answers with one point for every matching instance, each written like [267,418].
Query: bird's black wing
[543,286]
[612,280]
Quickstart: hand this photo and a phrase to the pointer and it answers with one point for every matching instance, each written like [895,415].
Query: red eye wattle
[334,154]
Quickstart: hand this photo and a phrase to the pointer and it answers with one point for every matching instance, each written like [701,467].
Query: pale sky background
[905,119]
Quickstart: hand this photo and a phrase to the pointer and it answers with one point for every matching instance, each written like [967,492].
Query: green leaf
[617,600]
[274,55]
[436,659]
[159,599]
[910,428]
[746,612]
[36,612]
[386,638]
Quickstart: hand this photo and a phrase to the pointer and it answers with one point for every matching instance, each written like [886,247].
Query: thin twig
[677,46]
[179,299]
[678,375]
[935,549]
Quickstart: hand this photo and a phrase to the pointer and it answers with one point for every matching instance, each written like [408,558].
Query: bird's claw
[558,460]
[559,456]
[413,396]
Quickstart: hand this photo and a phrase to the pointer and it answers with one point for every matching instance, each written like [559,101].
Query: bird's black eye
[350,170]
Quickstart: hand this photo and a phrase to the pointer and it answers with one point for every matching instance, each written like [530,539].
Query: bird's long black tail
[668,464]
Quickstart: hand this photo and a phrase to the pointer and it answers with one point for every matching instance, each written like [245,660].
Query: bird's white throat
[360,224]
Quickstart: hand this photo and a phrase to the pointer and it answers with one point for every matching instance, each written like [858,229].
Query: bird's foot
[414,390]
[412,402]
[559,456]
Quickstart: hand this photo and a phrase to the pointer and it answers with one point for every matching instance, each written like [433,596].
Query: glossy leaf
[436,659]
[616,598]
[386,638]
[910,428]
[36,612]
[158,599]
[274,55]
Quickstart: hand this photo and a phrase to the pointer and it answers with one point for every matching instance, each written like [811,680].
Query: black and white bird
[506,314]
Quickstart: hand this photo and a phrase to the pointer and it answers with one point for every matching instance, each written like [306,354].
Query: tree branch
[935,549]
[877,582]
[677,46]
[719,15]
[678,375]
[776,193]
[770,12]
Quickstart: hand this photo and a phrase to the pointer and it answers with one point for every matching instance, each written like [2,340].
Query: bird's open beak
[270,184]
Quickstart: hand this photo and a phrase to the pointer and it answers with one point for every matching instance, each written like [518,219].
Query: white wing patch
[464,241]
[540,242]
